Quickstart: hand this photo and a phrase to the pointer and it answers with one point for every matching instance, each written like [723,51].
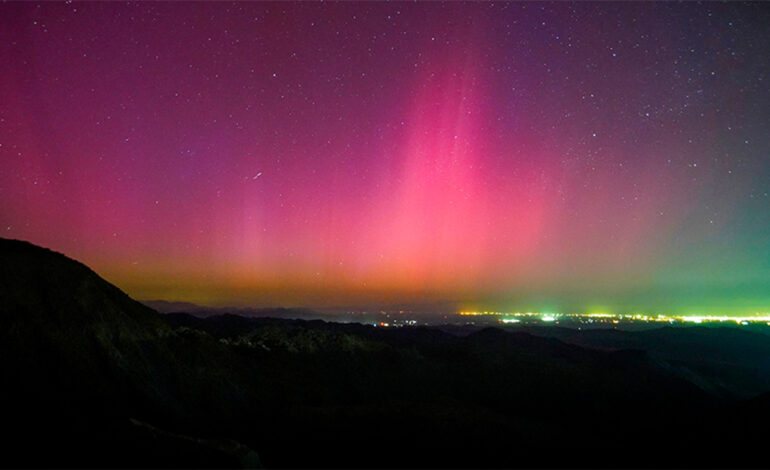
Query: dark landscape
[94,378]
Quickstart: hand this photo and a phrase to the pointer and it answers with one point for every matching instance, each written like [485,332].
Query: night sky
[546,156]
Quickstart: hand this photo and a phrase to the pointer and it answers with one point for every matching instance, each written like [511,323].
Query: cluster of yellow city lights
[516,317]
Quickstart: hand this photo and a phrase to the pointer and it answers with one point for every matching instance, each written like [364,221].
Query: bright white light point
[257,175]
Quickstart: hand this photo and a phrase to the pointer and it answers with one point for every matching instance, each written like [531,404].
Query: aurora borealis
[559,156]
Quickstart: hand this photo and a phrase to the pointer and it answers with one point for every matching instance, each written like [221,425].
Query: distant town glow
[516,317]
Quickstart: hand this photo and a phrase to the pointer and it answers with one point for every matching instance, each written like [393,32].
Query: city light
[517,317]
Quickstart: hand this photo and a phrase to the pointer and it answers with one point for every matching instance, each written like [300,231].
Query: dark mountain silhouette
[93,378]
[163,306]
[80,359]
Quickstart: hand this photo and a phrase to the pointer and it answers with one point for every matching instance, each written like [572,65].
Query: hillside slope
[93,378]
[80,359]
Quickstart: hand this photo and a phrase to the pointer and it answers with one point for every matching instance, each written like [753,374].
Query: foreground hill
[731,362]
[93,378]
[88,372]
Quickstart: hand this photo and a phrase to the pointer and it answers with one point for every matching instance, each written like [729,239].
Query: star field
[509,155]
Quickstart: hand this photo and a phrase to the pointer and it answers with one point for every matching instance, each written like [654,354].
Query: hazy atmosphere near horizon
[514,155]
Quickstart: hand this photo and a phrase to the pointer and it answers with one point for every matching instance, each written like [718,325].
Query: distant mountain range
[94,378]
[164,306]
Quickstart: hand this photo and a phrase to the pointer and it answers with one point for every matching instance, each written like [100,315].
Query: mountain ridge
[92,374]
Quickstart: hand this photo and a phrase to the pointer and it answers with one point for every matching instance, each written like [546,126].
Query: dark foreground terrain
[91,377]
